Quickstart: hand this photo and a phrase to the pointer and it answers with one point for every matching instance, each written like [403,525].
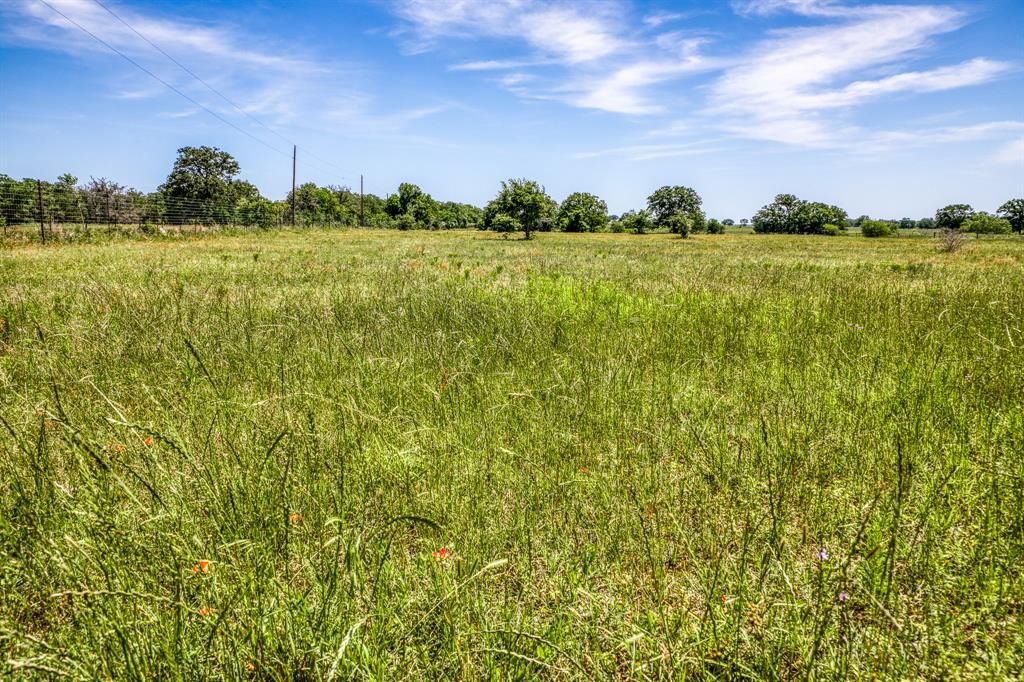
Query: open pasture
[412,455]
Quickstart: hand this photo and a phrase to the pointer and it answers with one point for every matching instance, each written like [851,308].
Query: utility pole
[294,153]
[42,224]
[362,223]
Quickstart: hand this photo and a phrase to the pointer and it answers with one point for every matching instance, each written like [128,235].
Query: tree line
[203,188]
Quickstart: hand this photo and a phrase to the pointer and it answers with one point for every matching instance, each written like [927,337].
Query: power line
[208,86]
[161,80]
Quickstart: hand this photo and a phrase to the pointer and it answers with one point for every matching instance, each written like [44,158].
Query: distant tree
[729,222]
[677,208]
[790,215]
[526,202]
[858,220]
[197,188]
[65,199]
[413,202]
[813,216]
[455,216]
[637,222]
[1013,211]
[953,216]
[926,224]
[744,222]
[582,212]
[985,223]
[715,227]
[907,223]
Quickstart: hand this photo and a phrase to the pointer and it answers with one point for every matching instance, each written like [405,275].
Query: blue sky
[887,109]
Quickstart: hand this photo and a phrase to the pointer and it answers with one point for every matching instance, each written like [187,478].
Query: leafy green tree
[715,227]
[637,222]
[790,215]
[66,203]
[523,200]
[953,216]
[780,216]
[985,223]
[582,212]
[907,223]
[411,201]
[729,222]
[1013,211]
[198,187]
[926,224]
[677,208]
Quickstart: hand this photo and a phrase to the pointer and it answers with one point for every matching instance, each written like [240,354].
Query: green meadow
[361,454]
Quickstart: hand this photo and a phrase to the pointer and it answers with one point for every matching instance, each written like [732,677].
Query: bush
[875,228]
[616,226]
[830,230]
[950,240]
[984,223]
[715,227]
[505,223]
[405,221]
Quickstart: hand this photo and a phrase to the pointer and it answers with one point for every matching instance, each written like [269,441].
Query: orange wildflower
[295,517]
[442,553]
[725,599]
[148,441]
[250,666]
[204,611]
[202,566]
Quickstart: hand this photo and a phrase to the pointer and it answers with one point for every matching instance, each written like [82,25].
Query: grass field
[384,455]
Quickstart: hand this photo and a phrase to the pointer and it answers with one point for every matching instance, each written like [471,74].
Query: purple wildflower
[822,555]
[843,596]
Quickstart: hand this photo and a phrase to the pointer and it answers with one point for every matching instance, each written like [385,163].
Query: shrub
[950,240]
[830,230]
[984,223]
[405,221]
[875,228]
[505,223]
[715,227]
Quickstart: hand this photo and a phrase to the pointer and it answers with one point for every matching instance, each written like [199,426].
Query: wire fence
[42,212]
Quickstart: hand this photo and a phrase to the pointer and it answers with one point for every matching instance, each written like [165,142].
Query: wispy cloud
[283,86]
[1011,153]
[783,87]
[603,52]
[568,32]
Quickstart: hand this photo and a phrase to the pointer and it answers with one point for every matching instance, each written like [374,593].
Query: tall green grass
[633,451]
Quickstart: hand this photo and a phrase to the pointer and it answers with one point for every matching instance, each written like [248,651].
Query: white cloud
[1011,153]
[47,27]
[573,33]
[622,91]
[781,89]
[282,87]
[494,65]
